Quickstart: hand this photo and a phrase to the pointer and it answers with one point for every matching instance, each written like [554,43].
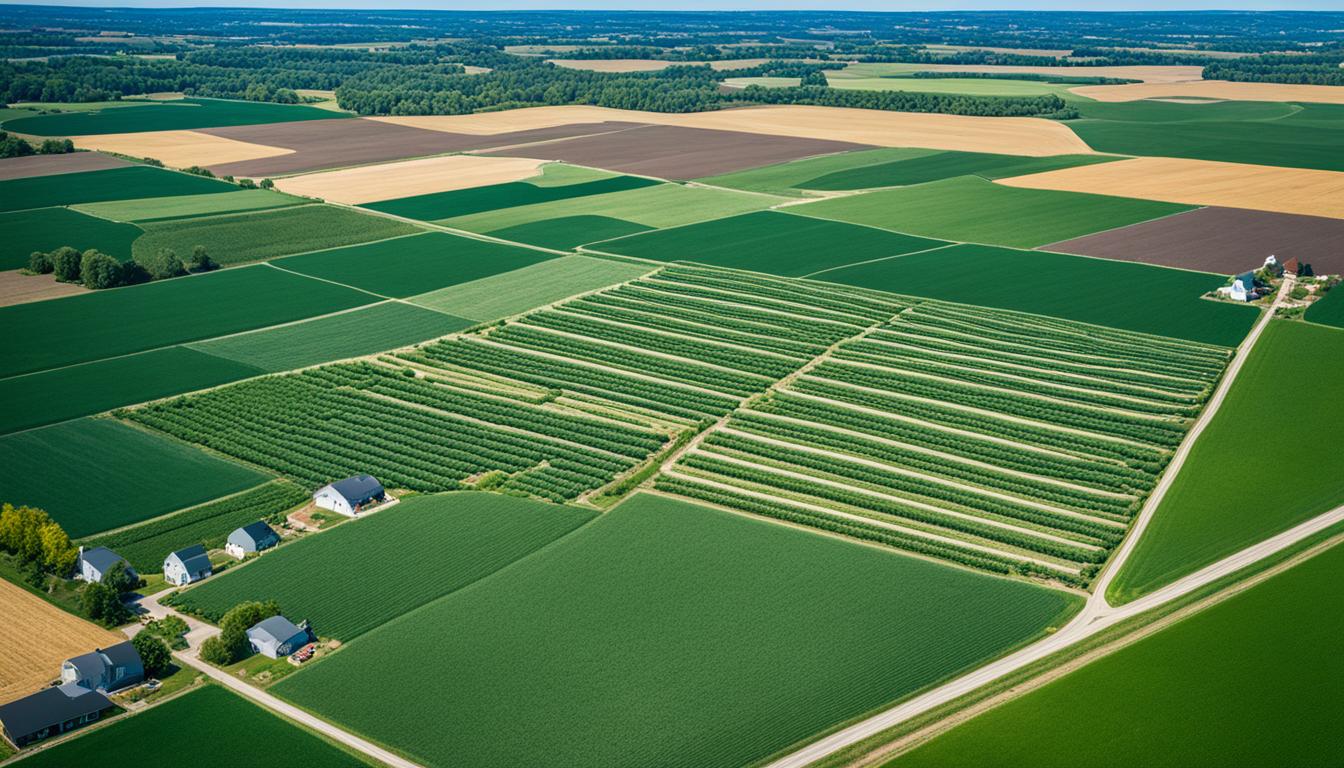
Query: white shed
[276,637]
[347,497]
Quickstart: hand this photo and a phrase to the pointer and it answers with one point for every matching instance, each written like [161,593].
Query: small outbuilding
[186,566]
[1242,288]
[50,712]
[253,537]
[349,496]
[105,669]
[95,562]
[277,636]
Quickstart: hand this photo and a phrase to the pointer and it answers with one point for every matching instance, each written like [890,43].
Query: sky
[730,5]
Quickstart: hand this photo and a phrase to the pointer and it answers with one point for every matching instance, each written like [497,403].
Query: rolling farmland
[184,206]
[167,116]
[464,537]
[490,298]
[126,183]
[462,202]
[944,165]
[652,637]
[46,229]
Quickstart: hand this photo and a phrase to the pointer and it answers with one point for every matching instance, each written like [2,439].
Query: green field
[46,229]
[788,178]
[491,298]
[664,205]
[146,545]
[136,181]
[167,116]
[974,210]
[1121,294]
[462,202]
[1262,133]
[93,475]
[1260,467]
[94,326]
[183,206]
[409,555]
[1254,680]
[242,237]
[568,232]
[658,635]
[768,241]
[1329,310]
[959,86]
[362,331]
[203,720]
[46,397]
[410,265]
[945,165]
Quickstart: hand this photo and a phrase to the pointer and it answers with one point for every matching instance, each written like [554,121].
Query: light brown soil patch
[16,288]
[36,637]
[649,65]
[1202,182]
[1010,135]
[1215,89]
[388,181]
[179,149]
[1149,74]
[49,165]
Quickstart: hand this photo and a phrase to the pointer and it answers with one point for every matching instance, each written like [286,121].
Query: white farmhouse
[347,497]
[186,566]
[251,538]
[95,562]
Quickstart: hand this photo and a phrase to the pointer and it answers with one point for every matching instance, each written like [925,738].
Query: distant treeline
[1052,79]
[906,101]
[1309,69]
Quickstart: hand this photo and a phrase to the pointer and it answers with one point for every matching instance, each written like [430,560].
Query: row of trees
[906,101]
[97,270]
[39,543]
[1318,69]
[13,146]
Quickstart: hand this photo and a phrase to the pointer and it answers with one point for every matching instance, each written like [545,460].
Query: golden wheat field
[35,637]
[388,181]
[179,149]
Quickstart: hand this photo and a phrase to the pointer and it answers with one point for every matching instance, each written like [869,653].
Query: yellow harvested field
[1214,89]
[1148,74]
[1011,135]
[388,181]
[1202,182]
[36,637]
[179,149]
[648,65]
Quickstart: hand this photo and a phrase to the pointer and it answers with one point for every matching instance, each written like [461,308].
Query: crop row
[818,331]
[590,307]
[873,307]
[761,302]
[714,315]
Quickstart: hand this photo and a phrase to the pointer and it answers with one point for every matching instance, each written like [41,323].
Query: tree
[246,183]
[58,554]
[102,603]
[267,184]
[161,264]
[215,651]
[55,147]
[231,644]
[13,146]
[119,578]
[39,263]
[201,261]
[65,263]
[153,653]
[99,270]
[244,616]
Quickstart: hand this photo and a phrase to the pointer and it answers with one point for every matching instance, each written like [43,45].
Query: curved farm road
[1097,614]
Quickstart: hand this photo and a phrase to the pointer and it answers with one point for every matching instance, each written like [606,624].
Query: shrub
[161,264]
[65,263]
[267,184]
[39,263]
[247,184]
[99,270]
[56,147]
[201,261]
[154,654]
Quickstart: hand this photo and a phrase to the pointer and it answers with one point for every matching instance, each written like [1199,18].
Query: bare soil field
[50,165]
[314,145]
[36,637]
[1214,89]
[1202,182]
[1012,135]
[1148,74]
[180,149]
[1223,240]
[388,181]
[21,289]
[673,152]
[648,65]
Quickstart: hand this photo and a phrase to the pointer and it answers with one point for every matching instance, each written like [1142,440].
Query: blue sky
[699,5]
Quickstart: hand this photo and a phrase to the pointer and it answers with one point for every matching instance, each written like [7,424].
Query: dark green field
[1253,681]
[663,633]
[768,241]
[99,186]
[168,116]
[945,165]
[409,266]
[46,229]
[94,326]
[94,475]
[461,537]
[243,237]
[460,202]
[567,232]
[1262,133]
[80,390]
[1136,297]
[1329,310]
[204,719]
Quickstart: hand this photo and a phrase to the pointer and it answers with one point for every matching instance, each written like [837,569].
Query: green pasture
[491,298]
[768,241]
[409,265]
[657,634]
[93,475]
[789,178]
[362,331]
[1253,680]
[568,232]
[459,538]
[462,202]
[563,174]
[1121,294]
[204,719]
[177,115]
[135,181]
[102,324]
[975,210]
[945,165]
[1269,460]
[46,229]
[243,237]
[183,206]
[1328,310]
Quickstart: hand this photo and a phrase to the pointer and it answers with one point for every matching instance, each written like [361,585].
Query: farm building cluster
[79,699]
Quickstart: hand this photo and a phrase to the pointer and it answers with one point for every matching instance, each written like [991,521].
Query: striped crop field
[1010,442]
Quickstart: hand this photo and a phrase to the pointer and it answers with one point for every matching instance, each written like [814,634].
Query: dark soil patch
[49,165]
[1223,240]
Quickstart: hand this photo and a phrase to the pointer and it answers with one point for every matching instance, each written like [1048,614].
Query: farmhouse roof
[101,558]
[1290,265]
[193,558]
[358,489]
[1247,280]
[89,665]
[49,706]
[257,531]
[275,629]
[122,654]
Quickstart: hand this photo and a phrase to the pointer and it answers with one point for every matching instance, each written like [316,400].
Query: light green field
[664,205]
[1253,681]
[960,86]
[786,178]
[1270,459]
[564,174]
[181,206]
[491,298]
